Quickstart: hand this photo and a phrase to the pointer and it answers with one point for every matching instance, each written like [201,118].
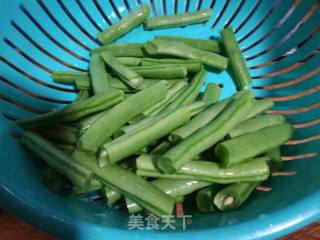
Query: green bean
[68,148]
[174,188]
[206,136]
[258,107]
[203,44]
[191,65]
[197,122]
[95,186]
[60,133]
[54,181]
[120,114]
[130,61]
[84,124]
[124,26]
[123,49]
[204,198]
[58,160]
[126,74]
[234,195]
[244,147]
[128,144]
[173,93]
[178,19]
[211,94]
[178,49]
[83,83]
[82,95]
[111,195]
[75,111]
[207,171]
[255,124]
[238,68]
[196,107]
[190,93]
[98,74]
[165,71]
[275,162]
[130,185]
[66,77]
[161,148]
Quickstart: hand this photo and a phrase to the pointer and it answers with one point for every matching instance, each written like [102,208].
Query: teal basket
[280,40]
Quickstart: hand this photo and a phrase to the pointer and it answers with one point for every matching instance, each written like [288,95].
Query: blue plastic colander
[280,40]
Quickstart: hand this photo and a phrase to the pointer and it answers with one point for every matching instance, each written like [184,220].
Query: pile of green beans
[142,132]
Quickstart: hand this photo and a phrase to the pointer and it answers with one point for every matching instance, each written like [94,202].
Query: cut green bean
[197,122]
[84,124]
[124,26]
[95,186]
[207,171]
[258,107]
[128,144]
[238,68]
[79,175]
[234,195]
[126,74]
[206,136]
[174,188]
[275,162]
[173,93]
[75,111]
[255,124]
[120,114]
[165,71]
[67,77]
[212,94]
[68,148]
[178,19]
[204,198]
[130,61]
[244,147]
[111,195]
[191,65]
[54,181]
[60,133]
[130,185]
[82,95]
[123,49]
[98,74]
[178,49]
[203,44]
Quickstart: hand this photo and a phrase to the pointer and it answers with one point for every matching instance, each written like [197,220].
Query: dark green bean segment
[211,94]
[178,49]
[60,133]
[124,26]
[68,148]
[130,61]
[161,148]
[238,68]
[126,74]
[197,122]
[255,124]
[76,110]
[234,195]
[54,181]
[244,147]
[178,19]
[82,95]
[98,74]
[165,71]
[95,186]
[67,77]
[173,93]
[174,188]
[120,114]
[275,162]
[207,171]
[130,143]
[129,184]
[123,49]
[111,195]
[204,198]
[60,161]
[258,107]
[203,44]
[191,65]
[206,136]
[190,93]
